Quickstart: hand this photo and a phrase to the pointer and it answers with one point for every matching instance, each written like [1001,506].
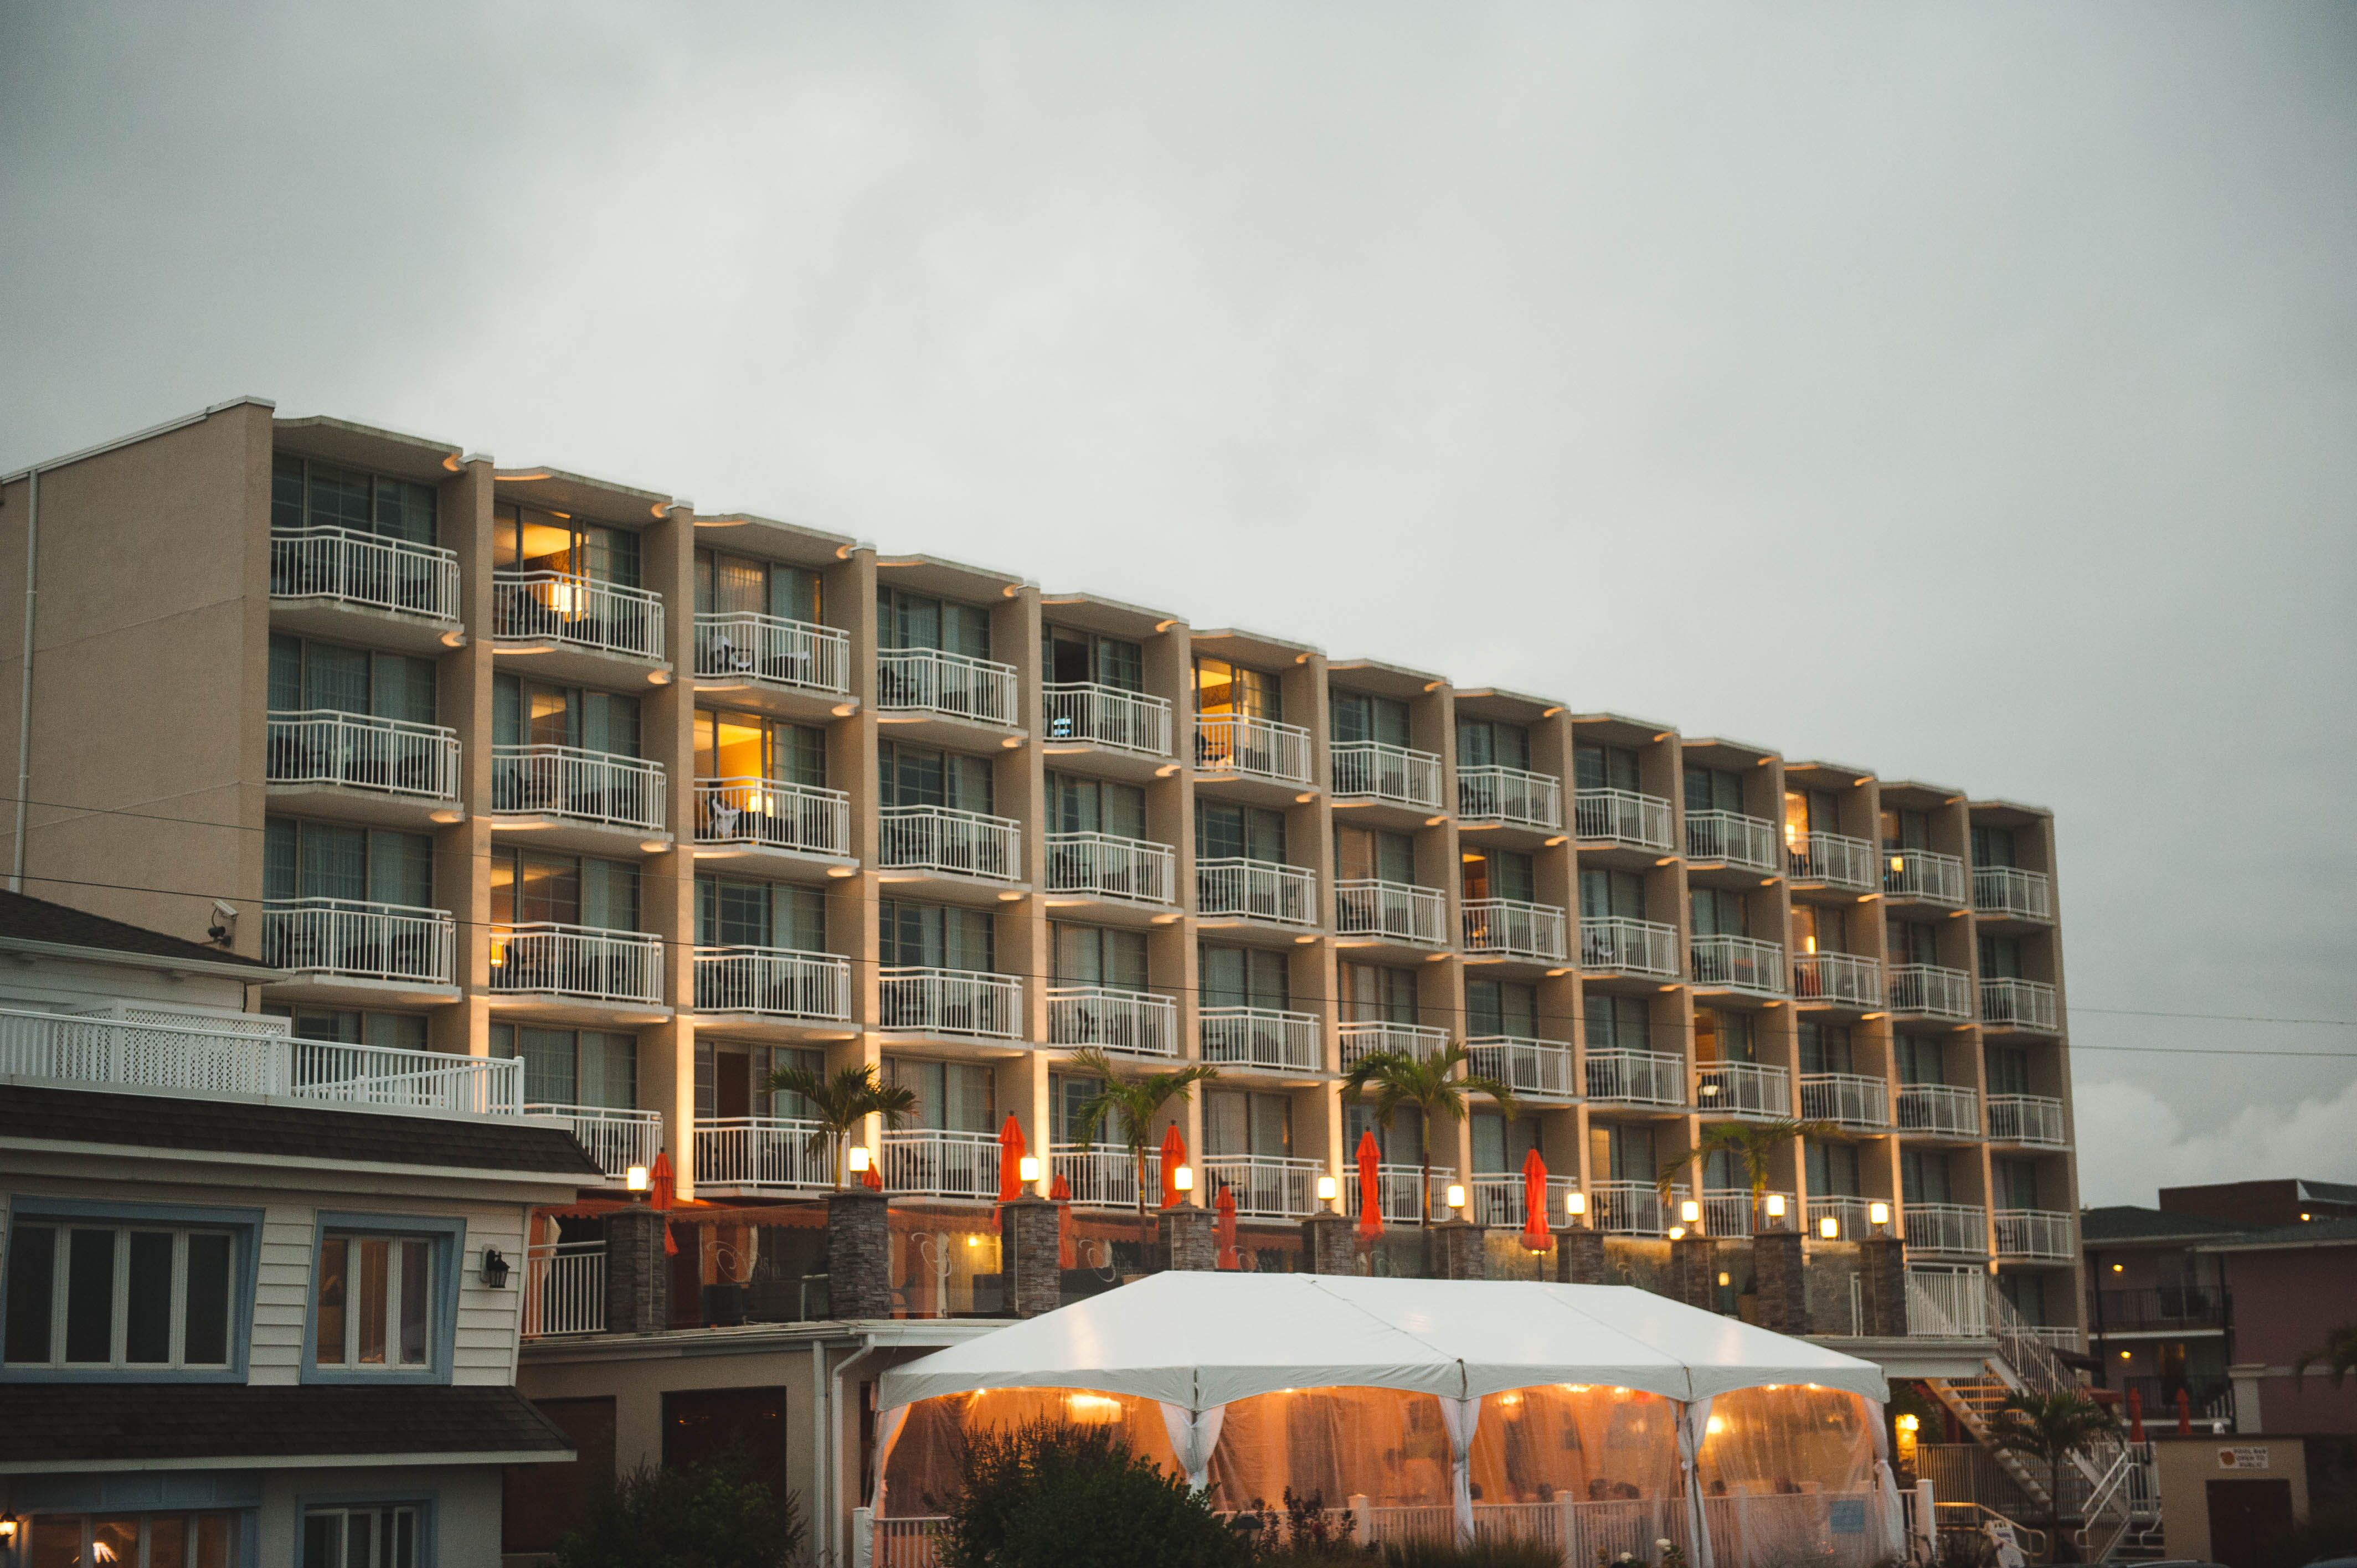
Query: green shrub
[1483,1553]
[1045,1495]
[711,1516]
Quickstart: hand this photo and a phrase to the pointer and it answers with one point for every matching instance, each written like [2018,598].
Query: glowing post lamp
[1691,1213]
[861,1159]
[1183,1178]
[637,1179]
[1776,1209]
[1877,1215]
[1328,1189]
[1026,1169]
[1574,1206]
[1829,1227]
[1455,1198]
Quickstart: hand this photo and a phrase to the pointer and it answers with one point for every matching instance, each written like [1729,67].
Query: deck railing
[929,1161]
[2028,1118]
[1743,1089]
[1946,1304]
[355,941]
[1262,1038]
[1510,928]
[1615,944]
[1730,838]
[1729,1211]
[2020,1005]
[1104,866]
[1927,990]
[1852,1215]
[950,1002]
[616,1138]
[1843,979]
[1511,795]
[565,1290]
[1950,1230]
[773,814]
[1606,818]
[1363,1037]
[365,570]
[2009,892]
[1498,1199]
[1107,716]
[774,983]
[740,644]
[1267,1186]
[764,1153]
[1740,963]
[1133,1023]
[1831,860]
[1396,911]
[1256,890]
[1397,1190]
[598,787]
[934,681]
[1851,1098]
[1542,1069]
[1629,1208]
[2037,1235]
[1394,775]
[580,612]
[358,751]
[962,843]
[1923,874]
[594,965]
[1947,1107]
[1257,748]
[1104,1175]
[1636,1078]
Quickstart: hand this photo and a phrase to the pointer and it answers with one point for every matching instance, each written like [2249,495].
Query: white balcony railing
[366,570]
[1928,990]
[1257,748]
[1266,1187]
[1843,979]
[1629,1208]
[764,1153]
[1850,1099]
[773,982]
[580,612]
[1743,1089]
[1830,860]
[771,813]
[1510,795]
[1538,1070]
[1923,874]
[1621,818]
[1730,838]
[1729,1211]
[1944,1108]
[598,787]
[565,1290]
[2020,1005]
[1948,1230]
[358,751]
[1262,1038]
[1107,716]
[1853,1217]
[1636,1078]
[950,1002]
[739,645]
[347,938]
[1394,775]
[1396,911]
[1256,890]
[934,681]
[1615,944]
[1740,963]
[1101,865]
[2010,893]
[616,1138]
[928,1162]
[233,1060]
[1135,1023]
[1398,1193]
[1104,1175]
[1501,1199]
[1363,1037]
[2028,1118]
[549,958]
[962,843]
[1509,928]
[2036,1235]
[1947,1304]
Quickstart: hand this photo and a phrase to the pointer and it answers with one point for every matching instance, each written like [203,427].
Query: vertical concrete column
[1882,1276]
[463,678]
[1579,1256]
[1186,1239]
[859,1253]
[638,1274]
[1027,1256]
[852,901]
[1326,1245]
[1455,1251]
[1020,783]
[1171,672]
[1777,1266]
[667,877]
[1694,1271]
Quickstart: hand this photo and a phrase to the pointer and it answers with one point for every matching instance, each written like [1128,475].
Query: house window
[920,775]
[1228,833]
[571,1067]
[529,713]
[739,585]
[1819,929]
[131,1541]
[1382,720]
[916,620]
[98,1295]
[326,860]
[303,494]
[322,677]
[374,1301]
[523,539]
[747,745]
[1493,742]
[1604,767]
[1222,688]
[1082,658]
[383,1535]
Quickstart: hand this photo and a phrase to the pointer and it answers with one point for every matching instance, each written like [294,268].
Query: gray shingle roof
[38,920]
[129,1423]
[2127,1222]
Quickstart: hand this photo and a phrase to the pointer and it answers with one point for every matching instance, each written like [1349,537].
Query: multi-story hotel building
[510,761]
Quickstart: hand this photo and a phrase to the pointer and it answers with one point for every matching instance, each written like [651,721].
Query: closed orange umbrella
[662,1191]
[1535,1234]
[1010,1161]
[1174,1154]
[1371,1187]
[1223,1229]
[1067,1254]
[2135,1415]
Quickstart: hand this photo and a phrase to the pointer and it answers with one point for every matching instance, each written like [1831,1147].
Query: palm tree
[1130,1104]
[1754,1143]
[1430,1084]
[839,1104]
[2052,1427]
[2339,1356]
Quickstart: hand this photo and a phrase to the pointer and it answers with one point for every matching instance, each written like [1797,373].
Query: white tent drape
[1460,1417]
[888,1431]
[1886,1486]
[1694,1424]
[1193,1435]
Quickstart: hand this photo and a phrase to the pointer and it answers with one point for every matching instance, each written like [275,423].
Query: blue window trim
[450,1237]
[245,1224]
[428,1504]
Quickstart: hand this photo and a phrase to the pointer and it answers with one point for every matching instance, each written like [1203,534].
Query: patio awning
[1204,1339]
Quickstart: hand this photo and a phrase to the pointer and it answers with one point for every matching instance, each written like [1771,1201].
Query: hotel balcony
[323,749]
[957,1002]
[556,609]
[1829,859]
[1743,1089]
[1510,798]
[930,1161]
[1100,865]
[1744,964]
[952,842]
[1947,1304]
[1266,1187]
[1084,713]
[1391,775]
[1850,1098]
[1852,1216]
[2034,1119]
[566,784]
[1729,838]
[1638,1078]
[1946,1231]
[616,1138]
[338,567]
[2020,1005]
[546,958]
[1266,1037]
[951,685]
[1727,1212]
[2158,1310]
[1396,911]
[1399,1190]
[1500,1199]
[1924,876]
[1251,748]
[1615,944]
[1129,1023]
[769,813]
[750,1154]
[1365,1038]
[1534,1070]
[2033,1236]
[1840,980]
[1928,990]
[343,938]
[1509,928]
[773,984]
[1629,1208]
[2007,892]
[1104,1176]
[1945,1110]
[1622,819]
[1256,890]
[736,648]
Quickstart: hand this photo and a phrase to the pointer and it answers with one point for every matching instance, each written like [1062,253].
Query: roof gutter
[252,973]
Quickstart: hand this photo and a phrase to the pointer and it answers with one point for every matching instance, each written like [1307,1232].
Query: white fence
[1832,860]
[765,1153]
[2040,1235]
[932,1163]
[1512,928]
[1730,1211]
[1398,1193]
[1851,1098]
[580,612]
[1947,1107]
[1498,1199]
[1947,1304]
[1615,944]
[1104,866]
[1946,1229]
[1743,1089]
[2020,1003]
[950,1002]
[1842,978]
[2011,893]
[932,680]
[1636,1078]
[1259,748]
[577,960]
[359,751]
[1629,1208]
[1542,1069]
[364,570]
[1256,890]
[1732,838]
[1262,1038]
[1740,963]
[1266,1187]
[1396,911]
[1510,795]
[773,981]
[616,1138]
[1931,991]
[346,937]
[1364,1037]
[595,786]
[1608,817]
[1104,1175]
[936,838]
[2028,1118]
[1369,770]
[565,1290]
[741,645]
[1924,874]
[773,814]
[1108,716]
[1852,1216]
[1136,1023]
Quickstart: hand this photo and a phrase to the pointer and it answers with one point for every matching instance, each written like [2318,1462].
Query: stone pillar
[1455,1252]
[1187,1241]
[1579,1256]
[1777,1267]
[859,1253]
[1027,1257]
[1882,1286]
[638,1275]
[1326,1245]
[1694,1271]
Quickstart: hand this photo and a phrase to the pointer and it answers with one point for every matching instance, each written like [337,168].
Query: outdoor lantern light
[495,1269]
[7,1529]
[1327,1189]
[1183,1178]
[1690,1211]
[1678,1232]
[636,1179]
[1829,1227]
[1878,1213]
[1775,1206]
[1456,1194]
[859,1159]
[1575,1204]
[1027,1168]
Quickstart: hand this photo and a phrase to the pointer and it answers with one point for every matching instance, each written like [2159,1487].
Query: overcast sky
[1969,393]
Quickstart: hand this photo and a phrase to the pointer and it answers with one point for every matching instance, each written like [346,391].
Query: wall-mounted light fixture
[495,1269]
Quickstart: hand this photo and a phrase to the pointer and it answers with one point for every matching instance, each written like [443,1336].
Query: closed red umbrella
[1223,1229]
[2136,1416]
[2184,1413]
[1174,1154]
[1535,1234]
[1010,1161]
[662,1191]
[1067,1252]
[1371,1187]
[874,1177]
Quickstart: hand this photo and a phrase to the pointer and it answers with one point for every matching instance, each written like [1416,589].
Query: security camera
[224,922]
[225,910]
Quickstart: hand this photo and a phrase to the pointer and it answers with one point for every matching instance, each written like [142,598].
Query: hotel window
[2026,1291]
[747,745]
[934,935]
[378,1536]
[529,887]
[1244,977]
[1357,717]
[1993,846]
[1617,1023]
[951,1097]
[1400,1145]
[131,1541]
[1238,1122]
[374,1302]
[1077,805]
[1912,941]
[2000,958]
[325,677]
[527,713]
[917,621]
[920,775]
[1249,833]
[1082,658]
[1222,688]
[1067,1094]
[2008,1069]
[1825,1048]
[1611,894]
[1095,955]
[1903,829]
[303,494]
[1500,1146]
[1505,1007]
[1819,929]
[524,540]
[136,1297]
[1716,912]
[1619,1153]
[732,1080]
[1713,789]
[1361,854]
[1724,1036]
[571,1067]
[2016,1183]
[1919,1059]
[1809,811]
[1604,768]
[345,1026]
[1377,993]
[1832,1169]
[1493,742]
[739,585]
[1501,874]
[733,913]
[1924,1177]
[304,859]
